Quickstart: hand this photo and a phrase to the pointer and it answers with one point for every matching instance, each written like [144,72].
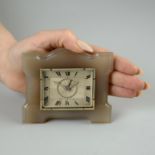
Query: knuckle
[68,32]
[129,93]
[140,85]
[132,93]
[137,83]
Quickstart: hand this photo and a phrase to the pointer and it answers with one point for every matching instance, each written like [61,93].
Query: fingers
[121,64]
[99,49]
[125,66]
[123,83]
[48,40]
[122,92]
[127,81]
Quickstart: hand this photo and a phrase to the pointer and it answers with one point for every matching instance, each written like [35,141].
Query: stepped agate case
[63,84]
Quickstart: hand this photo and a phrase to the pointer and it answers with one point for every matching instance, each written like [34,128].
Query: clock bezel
[42,91]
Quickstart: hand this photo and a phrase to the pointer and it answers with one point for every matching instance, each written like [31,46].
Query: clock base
[32,114]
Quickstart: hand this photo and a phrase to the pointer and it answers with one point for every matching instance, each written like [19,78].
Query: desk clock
[63,84]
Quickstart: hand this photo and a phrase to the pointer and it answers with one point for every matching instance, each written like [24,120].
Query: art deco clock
[65,84]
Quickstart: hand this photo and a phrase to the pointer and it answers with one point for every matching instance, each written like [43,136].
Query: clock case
[63,58]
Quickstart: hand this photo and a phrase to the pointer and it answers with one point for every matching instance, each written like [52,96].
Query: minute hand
[70,83]
[74,85]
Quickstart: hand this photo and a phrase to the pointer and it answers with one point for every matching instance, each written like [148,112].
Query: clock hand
[74,85]
[68,86]
[70,83]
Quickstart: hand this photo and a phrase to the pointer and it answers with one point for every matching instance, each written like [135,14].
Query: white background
[125,27]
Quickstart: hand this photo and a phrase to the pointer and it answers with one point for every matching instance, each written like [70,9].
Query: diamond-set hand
[68,86]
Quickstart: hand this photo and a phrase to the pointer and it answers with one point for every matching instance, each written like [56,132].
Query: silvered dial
[70,88]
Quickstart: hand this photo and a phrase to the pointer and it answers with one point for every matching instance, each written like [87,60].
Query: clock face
[67,89]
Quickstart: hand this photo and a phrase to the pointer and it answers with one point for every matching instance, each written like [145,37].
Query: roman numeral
[44,75]
[88,87]
[75,73]
[45,100]
[67,73]
[45,88]
[88,76]
[58,73]
[87,99]
[58,103]
[67,102]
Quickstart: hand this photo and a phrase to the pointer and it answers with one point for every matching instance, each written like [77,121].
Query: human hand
[123,82]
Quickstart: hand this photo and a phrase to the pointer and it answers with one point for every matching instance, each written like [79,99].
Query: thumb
[48,40]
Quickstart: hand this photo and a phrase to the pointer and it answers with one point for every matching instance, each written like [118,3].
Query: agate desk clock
[63,84]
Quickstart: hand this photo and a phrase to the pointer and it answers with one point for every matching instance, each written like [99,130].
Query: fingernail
[140,72]
[139,93]
[147,86]
[84,46]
